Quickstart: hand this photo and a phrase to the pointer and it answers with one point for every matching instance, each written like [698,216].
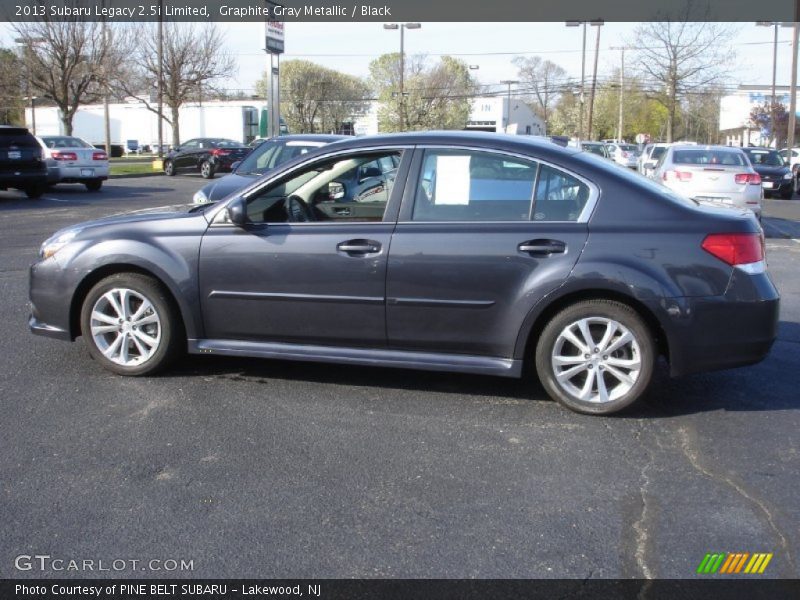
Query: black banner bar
[407,589]
[398,10]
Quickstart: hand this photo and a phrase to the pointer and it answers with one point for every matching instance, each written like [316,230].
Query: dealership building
[734,114]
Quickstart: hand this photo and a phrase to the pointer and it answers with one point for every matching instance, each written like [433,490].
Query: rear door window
[467,185]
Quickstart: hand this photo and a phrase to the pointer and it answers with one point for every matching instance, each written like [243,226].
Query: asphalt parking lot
[256,468]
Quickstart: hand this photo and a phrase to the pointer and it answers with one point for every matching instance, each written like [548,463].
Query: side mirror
[369,173]
[650,164]
[237,211]
[235,165]
[176,149]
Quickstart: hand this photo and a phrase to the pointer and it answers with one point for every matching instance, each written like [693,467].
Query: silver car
[720,175]
[72,160]
[648,159]
[626,155]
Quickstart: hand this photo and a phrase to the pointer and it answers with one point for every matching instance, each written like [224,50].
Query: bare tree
[11,88]
[682,57]
[193,57]
[543,78]
[66,62]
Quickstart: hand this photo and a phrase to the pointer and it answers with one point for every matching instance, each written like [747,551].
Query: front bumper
[722,332]
[781,186]
[50,294]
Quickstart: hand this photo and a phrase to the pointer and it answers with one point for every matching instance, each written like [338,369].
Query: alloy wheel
[125,327]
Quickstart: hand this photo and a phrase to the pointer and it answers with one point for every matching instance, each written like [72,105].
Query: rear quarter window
[17,137]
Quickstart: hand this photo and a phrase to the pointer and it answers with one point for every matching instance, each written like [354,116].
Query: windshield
[594,149]
[768,158]
[64,142]
[272,153]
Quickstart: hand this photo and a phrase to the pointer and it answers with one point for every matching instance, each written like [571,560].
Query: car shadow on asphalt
[729,390]
[776,228]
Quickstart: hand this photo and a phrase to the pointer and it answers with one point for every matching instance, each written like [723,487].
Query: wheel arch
[100,273]
[542,313]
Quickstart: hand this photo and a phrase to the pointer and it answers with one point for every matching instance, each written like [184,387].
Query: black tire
[600,310]
[787,195]
[169,168]
[172,337]
[94,185]
[35,191]
[207,170]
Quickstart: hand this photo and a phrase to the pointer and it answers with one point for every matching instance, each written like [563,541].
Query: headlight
[788,175]
[56,243]
[200,197]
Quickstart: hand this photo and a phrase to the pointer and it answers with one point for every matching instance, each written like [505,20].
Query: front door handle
[359,247]
[543,247]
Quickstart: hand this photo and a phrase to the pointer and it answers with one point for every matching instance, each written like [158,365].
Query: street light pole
[597,23]
[509,83]
[594,78]
[773,98]
[160,71]
[402,27]
[793,96]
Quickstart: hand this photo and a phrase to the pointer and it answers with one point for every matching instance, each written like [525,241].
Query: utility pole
[793,97]
[509,83]
[402,27]
[594,82]
[621,89]
[106,116]
[594,23]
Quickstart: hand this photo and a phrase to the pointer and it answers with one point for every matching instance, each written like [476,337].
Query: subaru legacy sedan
[480,254]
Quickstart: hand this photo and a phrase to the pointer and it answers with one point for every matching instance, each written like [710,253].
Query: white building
[734,113]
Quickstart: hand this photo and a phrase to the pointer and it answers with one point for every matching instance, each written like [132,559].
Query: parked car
[648,159]
[479,261]
[776,177]
[598,148]
[721,175]
[626,155]
[22,165]
[132,147]
[265,156]
[209,156]
[72,160]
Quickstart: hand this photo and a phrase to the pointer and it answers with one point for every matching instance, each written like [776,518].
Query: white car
[72,160]
[648,159]
[626,155]
[720,175]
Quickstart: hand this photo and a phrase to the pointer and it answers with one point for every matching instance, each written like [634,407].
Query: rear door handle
[543,247]
[359,247]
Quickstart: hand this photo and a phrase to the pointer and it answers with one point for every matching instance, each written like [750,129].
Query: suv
[21,163]
[480,254]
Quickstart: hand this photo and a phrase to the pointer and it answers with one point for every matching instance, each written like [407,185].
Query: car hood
[148,214]
[225,186]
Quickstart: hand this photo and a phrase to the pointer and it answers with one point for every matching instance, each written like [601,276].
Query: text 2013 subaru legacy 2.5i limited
[476,253]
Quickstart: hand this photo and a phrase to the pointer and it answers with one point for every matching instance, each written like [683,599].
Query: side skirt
[428,361]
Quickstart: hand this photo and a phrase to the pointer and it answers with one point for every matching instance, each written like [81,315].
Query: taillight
[99,156]
[735,248]
[678,175]
[63,155]
[751,178]
[220,152]
[624,154]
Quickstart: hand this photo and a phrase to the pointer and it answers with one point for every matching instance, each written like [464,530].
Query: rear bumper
[23,179]
[722,332]
[76,174]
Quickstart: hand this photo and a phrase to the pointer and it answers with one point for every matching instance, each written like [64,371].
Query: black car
[264,156]
[776,177]
[206,155]
[22,165]
[482,254]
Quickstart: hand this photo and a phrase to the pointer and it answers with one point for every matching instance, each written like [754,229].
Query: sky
[350,47]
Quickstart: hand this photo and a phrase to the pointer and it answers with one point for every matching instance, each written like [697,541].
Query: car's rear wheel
[130,324]
[94,185]
[207,170]
[787,195]
[169,168]
[596,356]
[35,191]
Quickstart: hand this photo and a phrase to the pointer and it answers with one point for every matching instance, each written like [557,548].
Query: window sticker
[452,180]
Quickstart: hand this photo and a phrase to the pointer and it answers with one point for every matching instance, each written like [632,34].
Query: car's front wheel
[596,356]
[169,168]
[130,324]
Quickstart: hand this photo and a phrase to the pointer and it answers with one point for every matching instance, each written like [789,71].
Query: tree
[544,78]
[315,98]
[66,62]
[761,118]
[680,57]
[11,89]
[193,58]
[436,97]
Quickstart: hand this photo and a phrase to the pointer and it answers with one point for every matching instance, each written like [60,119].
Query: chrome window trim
[257,186]
[586,213]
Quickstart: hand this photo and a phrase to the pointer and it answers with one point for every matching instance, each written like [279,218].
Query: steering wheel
[297,211]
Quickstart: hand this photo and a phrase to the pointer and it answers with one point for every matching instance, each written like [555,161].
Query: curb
[136,175]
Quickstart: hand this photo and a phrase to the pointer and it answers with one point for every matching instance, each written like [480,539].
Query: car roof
[310,137]
[497,141]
